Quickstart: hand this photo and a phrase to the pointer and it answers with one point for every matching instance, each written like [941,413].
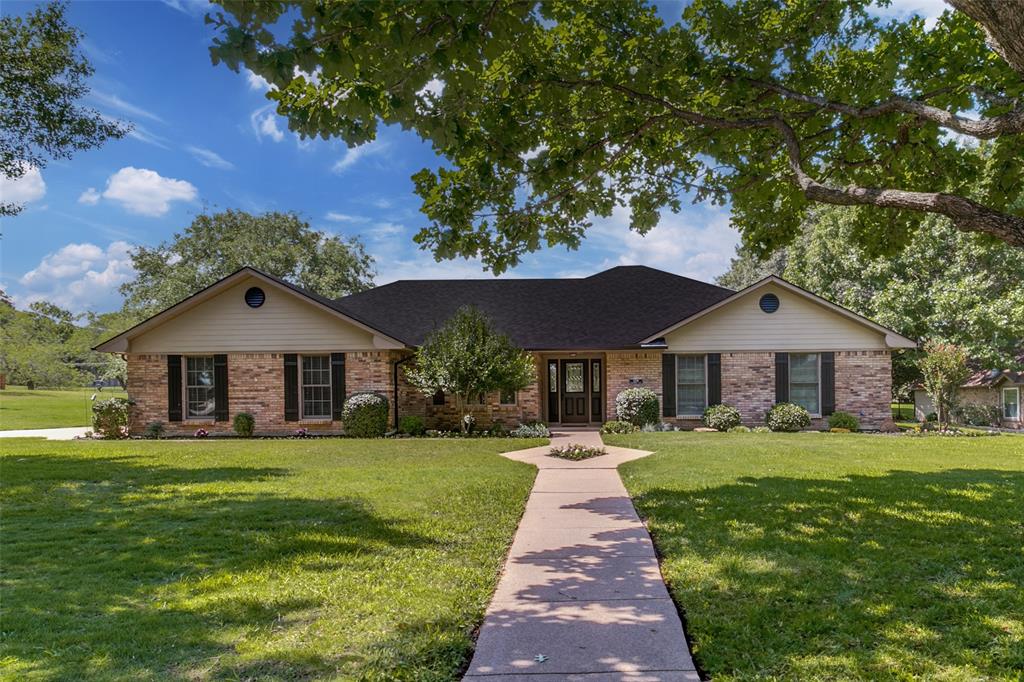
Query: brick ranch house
[254,343]
[1000,389]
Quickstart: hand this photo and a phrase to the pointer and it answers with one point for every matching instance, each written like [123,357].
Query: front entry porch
[574,390]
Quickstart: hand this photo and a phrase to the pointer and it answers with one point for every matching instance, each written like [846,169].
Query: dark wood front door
[575,391]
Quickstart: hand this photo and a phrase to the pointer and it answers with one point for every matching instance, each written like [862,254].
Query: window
[199,395]
[804,381]
[507,397]
[316,386]
[691,385]
[1011,404]
[595,376]
[478,399]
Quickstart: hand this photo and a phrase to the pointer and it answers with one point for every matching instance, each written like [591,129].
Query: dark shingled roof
[617,308]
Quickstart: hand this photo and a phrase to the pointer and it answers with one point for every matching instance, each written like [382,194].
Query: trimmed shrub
[739,429]
[154,430]
[787,417]
[530,430]
[412,424]
[111,418]
[616,426]
[843,420]
[244,424]
[638,406]
[365,415]
[721,417]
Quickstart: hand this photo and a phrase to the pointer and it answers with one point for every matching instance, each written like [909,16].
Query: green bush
[721,417]
[616,426]
[111,418]
[244,424]
[365,415]
[412,425]
[739,429]
[576,452]
[530,430]
[154,430]
[787,417]
[760,429]
[972,414]
[843,420]
[638,406]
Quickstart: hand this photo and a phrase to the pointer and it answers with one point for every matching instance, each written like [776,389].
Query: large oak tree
[549,113]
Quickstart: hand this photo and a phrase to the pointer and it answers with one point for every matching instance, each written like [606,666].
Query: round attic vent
[769,303]
[255,297]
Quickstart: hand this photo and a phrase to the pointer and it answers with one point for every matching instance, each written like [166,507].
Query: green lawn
[840,556]
[903,411]
[244,560]
[39,409]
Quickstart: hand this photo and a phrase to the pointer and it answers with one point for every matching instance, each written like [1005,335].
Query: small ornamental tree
[467,356]
[944,368]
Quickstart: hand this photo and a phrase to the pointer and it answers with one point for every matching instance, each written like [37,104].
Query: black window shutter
[828,383]
[291,387]
[174,388]
[781,378]
[438,398]
[220,388]
[337,384]
[668,385]
[714,378]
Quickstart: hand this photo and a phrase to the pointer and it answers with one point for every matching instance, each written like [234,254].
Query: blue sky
[206,137]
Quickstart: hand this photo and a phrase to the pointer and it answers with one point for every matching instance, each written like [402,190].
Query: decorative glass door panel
[574,391]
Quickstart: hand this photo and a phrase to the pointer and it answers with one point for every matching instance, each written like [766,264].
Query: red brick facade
[863,381]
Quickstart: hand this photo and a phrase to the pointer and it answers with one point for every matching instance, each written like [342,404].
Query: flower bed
[576,452]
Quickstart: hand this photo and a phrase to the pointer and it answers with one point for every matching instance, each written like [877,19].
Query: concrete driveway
[581,596]
[69,433]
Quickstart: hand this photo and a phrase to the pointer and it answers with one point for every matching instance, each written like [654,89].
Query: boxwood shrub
[244,424]
[843,420]
[721,417]
[365,415]
[617,426]
[787,417]
[638,406]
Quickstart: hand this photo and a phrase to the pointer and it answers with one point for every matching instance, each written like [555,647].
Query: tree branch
[1009,123]
[965,213]
[1003,21]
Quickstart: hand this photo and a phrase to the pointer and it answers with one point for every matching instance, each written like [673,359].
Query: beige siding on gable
[225,323]
[798,324]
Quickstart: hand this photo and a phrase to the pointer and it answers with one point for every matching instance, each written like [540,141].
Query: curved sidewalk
[581,596]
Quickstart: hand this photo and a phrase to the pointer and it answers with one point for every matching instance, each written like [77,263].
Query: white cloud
[116,102]
[697,243]
[383,230]
[257,82]
[929,10]
[195,8]
[29,187]
[79,277]
[264,123]
[146,192]
[336,217]
[89,197]
[354,154]
[421,265]
[209,158]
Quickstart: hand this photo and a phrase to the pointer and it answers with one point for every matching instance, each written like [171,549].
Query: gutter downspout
[395,383]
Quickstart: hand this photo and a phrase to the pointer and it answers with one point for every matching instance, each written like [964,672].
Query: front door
[575,392]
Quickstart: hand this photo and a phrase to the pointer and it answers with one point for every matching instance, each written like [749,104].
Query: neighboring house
[1000,388]
[254,343]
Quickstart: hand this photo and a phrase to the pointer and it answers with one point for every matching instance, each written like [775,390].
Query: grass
[21,408]
[270,560]
[903,411]
[840,556]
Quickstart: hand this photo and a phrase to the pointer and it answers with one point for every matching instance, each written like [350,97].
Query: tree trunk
[1003,21]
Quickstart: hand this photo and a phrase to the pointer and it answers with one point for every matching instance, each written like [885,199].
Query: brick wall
[256,386]
[748,384]
[643,368]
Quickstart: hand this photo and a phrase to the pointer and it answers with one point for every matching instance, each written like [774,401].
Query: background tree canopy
[549,113]
[42,78]
[217,244]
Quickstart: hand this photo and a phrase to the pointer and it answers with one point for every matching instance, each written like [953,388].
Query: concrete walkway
[49,434]
[581,597]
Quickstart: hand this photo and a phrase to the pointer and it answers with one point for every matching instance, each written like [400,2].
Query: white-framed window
[1011,404]
[691,385]
[200,397]
[507,397]
[316,386]
[805,381]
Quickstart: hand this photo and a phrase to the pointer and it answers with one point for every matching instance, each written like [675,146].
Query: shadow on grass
[907,573]
[115,568]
